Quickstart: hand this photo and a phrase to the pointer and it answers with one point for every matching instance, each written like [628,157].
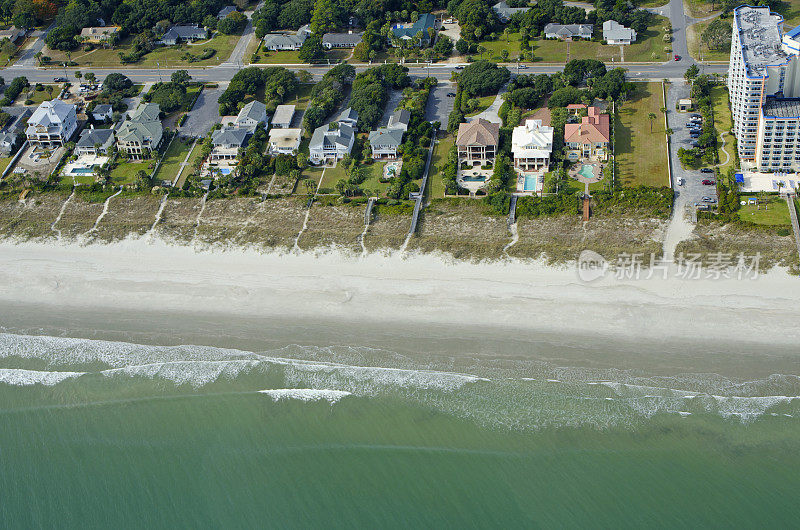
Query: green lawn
[4,162]
[125,172]
[293,57]
[302,98]
[790,11]
[166,56]
[776,214]
[173,158]
[438,160]
[372,182]
[483,104]
[642,155]
[555,51]
[723,123]
[39,96]
[693,42]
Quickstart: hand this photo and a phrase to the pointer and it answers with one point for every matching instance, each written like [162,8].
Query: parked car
[709,182]
[681,182]
[706,170]
[696,116]
[695,144]
[694,134]
[677,57]
[451,94]
[459,67]
[710,200]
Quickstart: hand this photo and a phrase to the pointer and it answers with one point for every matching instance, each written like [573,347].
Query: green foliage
[371,89]
[717,35]
[482,78]
[231,24]
[249,80]
[327,95]
[562,203]
[62,38]
[312,51]
[13,90]
[169,96]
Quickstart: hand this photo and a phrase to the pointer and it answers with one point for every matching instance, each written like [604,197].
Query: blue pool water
[473,179]
[225,170]
[586,171]
[82,170]
[530,183]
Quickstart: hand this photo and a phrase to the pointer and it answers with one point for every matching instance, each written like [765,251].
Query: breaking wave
[306,394]
[497,393]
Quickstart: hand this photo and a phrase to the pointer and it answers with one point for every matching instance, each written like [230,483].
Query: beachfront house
[477,141]
[399,119]
[284,141]
[590,138]
[568,31]
[183,33]
[340,40]
[227,142]
[616,33]
[407,32]
[385,142]
[504,12]
[94,141]
[531,145]
[282,118]
[251,115]
[331,142]
[348,117]
[142,132]
[52,124]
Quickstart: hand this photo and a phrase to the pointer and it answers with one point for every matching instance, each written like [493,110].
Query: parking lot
[693,190]
[204,114]
[439,104]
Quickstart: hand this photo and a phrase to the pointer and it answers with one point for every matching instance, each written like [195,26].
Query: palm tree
[781,184]
[651,117]
[669,132]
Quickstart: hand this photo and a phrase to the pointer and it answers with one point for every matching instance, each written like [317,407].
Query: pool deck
[597,171]
[84,162]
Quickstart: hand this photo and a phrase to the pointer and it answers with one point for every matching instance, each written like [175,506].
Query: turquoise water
[83,170]
[586,171]
[474,179]
[530,183]
[99,434]
[225,170]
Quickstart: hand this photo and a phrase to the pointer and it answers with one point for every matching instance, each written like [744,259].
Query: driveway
[439,105]
[204,114]
[491,112]
[391,104]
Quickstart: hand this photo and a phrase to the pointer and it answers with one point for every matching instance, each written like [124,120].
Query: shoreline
[380,289]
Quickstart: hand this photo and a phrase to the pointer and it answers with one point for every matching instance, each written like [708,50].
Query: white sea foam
[195,373]
[20,377]
[306,394]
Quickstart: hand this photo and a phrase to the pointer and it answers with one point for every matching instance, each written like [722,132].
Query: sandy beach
[148,275]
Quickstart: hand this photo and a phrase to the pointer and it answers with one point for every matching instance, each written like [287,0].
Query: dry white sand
[152,275]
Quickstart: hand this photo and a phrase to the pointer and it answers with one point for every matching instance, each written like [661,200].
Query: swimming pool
[82,170]
[479,178]
[530,183]
[225,170]
[586,171]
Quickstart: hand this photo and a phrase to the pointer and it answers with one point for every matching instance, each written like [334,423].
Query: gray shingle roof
[383,136]
[92,137]
[283,114]
[347,114]
[255,110]
[400,117]
[324,136]
[229,137]
[185,31]
[341,38]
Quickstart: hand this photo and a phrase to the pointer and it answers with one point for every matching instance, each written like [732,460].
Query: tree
[669,132]
[717,35]
[462,46]
[78,74]
[233,23]
[62,38]
[311,51]
[691,72]
[304,76]
[323,18]
[651,117]
[180,77]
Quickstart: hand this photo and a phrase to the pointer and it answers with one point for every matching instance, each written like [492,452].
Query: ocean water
[99,433]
